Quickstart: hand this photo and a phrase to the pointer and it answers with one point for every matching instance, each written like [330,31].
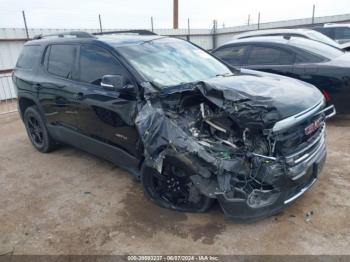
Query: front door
[105,115]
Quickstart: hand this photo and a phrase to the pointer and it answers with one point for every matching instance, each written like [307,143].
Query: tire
[154,184]
[37,131]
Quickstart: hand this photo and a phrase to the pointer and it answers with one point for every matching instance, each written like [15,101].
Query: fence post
[188,30]
[25,23]
[152,24]
[214,33]
[99,19]
[175,14]
[259,21]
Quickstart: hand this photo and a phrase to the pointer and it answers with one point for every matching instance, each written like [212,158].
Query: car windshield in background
[169,62]
[318,48]
[322,38]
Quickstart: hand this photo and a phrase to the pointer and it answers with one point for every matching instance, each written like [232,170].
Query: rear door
[56,88]
[105,115]
[25,73]
[271,59]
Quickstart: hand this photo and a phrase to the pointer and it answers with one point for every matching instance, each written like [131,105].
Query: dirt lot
[69,202]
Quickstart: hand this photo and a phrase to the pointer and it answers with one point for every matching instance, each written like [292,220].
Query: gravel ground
[70,202]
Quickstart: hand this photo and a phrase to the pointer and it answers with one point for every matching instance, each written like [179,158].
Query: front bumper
[301,174]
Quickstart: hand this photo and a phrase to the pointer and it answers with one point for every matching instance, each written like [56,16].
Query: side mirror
[113,82]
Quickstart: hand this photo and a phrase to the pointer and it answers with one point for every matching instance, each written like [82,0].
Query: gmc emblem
[313,126]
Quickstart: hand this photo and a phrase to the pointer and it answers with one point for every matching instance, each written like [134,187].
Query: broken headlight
[262,198]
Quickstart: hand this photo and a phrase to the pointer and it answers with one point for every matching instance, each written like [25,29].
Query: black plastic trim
[113,154]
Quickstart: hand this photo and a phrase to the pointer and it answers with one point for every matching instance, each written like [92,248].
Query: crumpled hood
[286,95]
[255,99]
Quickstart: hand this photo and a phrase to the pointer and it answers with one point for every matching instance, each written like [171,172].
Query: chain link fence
[8,96]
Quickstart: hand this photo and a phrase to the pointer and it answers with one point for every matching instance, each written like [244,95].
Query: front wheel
[173,188]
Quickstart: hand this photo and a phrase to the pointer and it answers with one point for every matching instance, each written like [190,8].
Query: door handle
[78,96]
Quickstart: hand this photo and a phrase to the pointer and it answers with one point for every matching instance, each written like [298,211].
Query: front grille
[295,139]
[294,133]
[307,149]
[299,162]
[302,145]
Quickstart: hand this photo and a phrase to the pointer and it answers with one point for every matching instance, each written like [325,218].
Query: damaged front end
[253,153]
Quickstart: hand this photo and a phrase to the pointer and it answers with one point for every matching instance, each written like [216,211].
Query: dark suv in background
[191,127]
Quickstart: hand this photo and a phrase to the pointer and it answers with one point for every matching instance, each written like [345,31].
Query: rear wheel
[173,188]
[37,131]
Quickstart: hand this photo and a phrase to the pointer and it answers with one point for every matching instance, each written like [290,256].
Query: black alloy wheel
[37,131]
[173,188]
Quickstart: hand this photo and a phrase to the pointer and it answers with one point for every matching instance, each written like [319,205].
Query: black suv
[191,127]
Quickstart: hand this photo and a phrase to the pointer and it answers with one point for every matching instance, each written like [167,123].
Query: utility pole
[176,14]
[249,19]
[25,23]
[313,14]
[259,21]
[152,24]
[99,19]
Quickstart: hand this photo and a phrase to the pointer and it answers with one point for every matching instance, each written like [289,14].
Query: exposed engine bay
[239,152]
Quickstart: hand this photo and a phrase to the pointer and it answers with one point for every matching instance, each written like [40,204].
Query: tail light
[326,95]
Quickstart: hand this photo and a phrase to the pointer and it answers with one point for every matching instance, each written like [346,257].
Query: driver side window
[95,62]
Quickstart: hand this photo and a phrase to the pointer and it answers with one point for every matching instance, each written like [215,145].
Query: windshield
[322,38]
[317,48]
[169,61]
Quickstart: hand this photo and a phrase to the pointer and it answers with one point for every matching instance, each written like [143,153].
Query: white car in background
[299,32]
[338,32]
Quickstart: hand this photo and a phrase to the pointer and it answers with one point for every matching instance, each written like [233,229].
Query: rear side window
[95,62]
[307,57]
[61,60]
[261,55]
[29,57]
[231,54]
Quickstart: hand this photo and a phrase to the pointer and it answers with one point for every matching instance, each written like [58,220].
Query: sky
[136,13]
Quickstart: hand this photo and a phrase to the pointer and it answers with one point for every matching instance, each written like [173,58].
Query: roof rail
[78,34]
[140,32]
